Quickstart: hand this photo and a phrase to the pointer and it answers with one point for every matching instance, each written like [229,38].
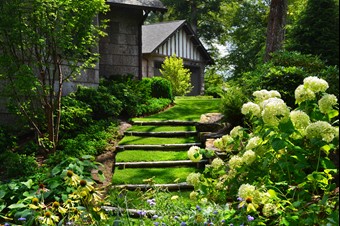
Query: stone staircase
[201,134]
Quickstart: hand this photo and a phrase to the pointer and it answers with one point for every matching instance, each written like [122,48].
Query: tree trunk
[276,27]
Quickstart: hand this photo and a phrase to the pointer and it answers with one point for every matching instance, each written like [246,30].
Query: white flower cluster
[300,120]
[263,95]
[247,158]
[310,87]
[245,191]
[327,102]
[194,154]
[252,109]
[254,143]
[322,130]
[224,143]
[217,163]
[237,132]
[274,111]
[193,179]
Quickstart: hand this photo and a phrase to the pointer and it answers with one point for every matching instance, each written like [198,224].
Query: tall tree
[44,43]
[276,27]
[201,14]
[317,31]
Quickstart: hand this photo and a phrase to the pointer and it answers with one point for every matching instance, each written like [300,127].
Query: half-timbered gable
[174,38]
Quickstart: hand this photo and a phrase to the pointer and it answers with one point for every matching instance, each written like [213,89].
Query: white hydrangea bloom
[327,102]
[322,130]
[245,191]
[193,195]
[315,84]
[236,132]
[193,179]
[303,94]
[269,209]
[249,157]
[262,95]
[254,143]
[194,154]
[218,143]
[274,93]
[299,119]
[235,162]
[251,108]
[217,163]
[227,139]
[275,111]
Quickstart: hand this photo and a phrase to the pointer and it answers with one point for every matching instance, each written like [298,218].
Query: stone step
[161,164]
[161,134]
[156,146]
[145,187]
[165,123]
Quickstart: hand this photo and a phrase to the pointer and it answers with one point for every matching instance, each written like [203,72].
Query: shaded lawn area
[156,140]
[161,175]
[162,128]
[186,109]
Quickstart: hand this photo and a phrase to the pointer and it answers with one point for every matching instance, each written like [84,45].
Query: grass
[156,140]
[150,156]
[187,109]
[161,175]
[161,128]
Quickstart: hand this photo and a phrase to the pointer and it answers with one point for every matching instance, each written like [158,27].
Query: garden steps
[165,123]
[145,187]
[161,134]
[156,146]
[161,164]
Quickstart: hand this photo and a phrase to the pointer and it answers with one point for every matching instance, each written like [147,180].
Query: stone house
[177,37]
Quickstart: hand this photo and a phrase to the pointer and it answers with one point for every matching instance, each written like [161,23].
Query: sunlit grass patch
[150,156]
[156,140]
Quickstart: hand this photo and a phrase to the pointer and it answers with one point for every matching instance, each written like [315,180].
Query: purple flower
[198,208]
[156,223]
[152,202]
[215,212]
[240,199]
[176,217]
[154,217]
[183,224]
[250,218]
[6,224]
[141,213]
[22,219]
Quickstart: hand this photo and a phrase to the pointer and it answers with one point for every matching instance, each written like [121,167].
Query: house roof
[153,5]
[155,35]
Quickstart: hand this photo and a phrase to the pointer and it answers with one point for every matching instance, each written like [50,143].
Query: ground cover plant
[143,156]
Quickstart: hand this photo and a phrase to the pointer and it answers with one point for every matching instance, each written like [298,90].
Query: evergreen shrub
[161,88]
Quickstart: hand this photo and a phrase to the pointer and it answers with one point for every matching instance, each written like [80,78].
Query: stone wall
[120,50]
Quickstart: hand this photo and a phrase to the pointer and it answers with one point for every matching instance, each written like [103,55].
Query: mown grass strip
[127,140]
[151,156]
[162,128]
[159,175]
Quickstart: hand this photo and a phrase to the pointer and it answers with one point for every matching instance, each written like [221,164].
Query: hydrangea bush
[278,170]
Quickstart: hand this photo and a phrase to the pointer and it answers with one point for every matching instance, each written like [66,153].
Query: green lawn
[187,109]
[161,128]
[156,140]
[150,156]
[161,175]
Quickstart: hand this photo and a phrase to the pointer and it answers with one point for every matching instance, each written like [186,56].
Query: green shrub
[161,88]
[179,77]
[75,115]
[214,84]
[14,165]
[232,100]
[103,103]
[93,141]
[153,106]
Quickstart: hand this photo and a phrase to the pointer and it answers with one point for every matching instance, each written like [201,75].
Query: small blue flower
[155,217]
[22,219]
[156,223]
[240,199]
[198,208]
[215,212]
[183,224]
[6,224]
[250,218]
